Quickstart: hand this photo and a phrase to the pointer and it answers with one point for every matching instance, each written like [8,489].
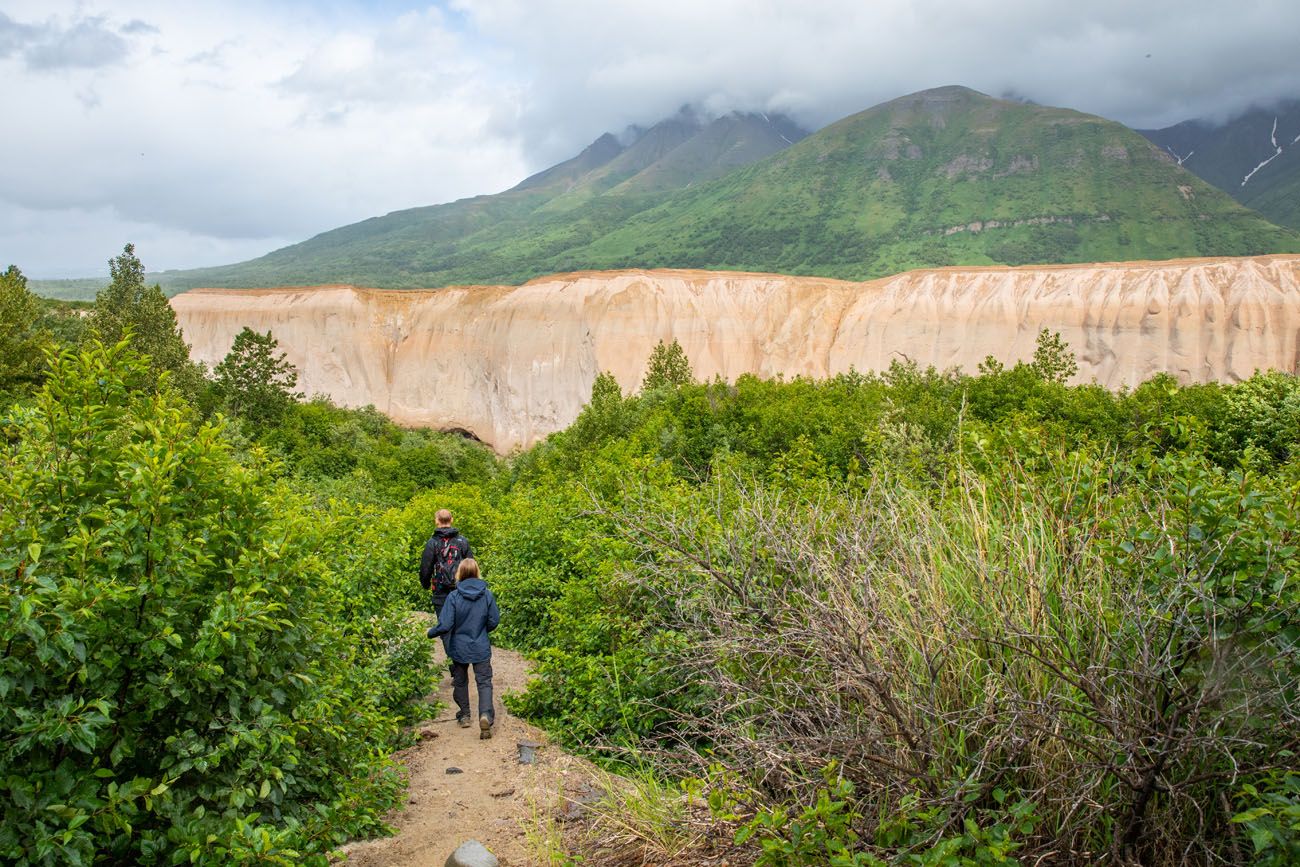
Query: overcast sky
[208,133]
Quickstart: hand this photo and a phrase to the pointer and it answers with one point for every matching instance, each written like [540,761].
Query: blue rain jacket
[468,615]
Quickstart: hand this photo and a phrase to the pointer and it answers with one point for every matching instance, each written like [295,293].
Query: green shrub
[1272,822]
[823,833]
[181,681]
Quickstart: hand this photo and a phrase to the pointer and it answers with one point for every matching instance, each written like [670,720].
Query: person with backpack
[443,553]
[468,615]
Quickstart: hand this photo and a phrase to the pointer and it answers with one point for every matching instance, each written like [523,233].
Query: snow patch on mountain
[1272,138]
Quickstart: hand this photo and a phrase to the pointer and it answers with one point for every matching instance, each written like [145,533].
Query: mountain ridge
[447,236]
[947,176]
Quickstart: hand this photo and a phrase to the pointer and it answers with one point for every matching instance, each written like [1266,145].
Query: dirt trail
[495,799]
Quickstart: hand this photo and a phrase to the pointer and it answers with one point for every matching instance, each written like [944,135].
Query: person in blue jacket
[467,617]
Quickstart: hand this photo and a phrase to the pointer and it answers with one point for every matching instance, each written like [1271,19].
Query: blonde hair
[468,568]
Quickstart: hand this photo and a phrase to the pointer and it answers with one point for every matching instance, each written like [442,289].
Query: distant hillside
[606,183]
[75,289]
[1255,157]
[943,177]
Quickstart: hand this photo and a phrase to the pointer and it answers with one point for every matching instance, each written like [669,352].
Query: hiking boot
[462,720]
[484,728]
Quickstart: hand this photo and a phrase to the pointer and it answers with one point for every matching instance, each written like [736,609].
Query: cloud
[13,36]
[85,42]
[591,65]
[249,127]
[42,237]
[135,27]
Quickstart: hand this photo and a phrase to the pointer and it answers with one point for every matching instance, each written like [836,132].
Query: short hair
[468,568]
[443,517]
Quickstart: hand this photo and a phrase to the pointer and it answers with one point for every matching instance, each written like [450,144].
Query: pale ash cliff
[513,364]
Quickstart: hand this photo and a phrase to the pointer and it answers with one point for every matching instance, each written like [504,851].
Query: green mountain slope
[604,185]
[943,177]
[1254,157]
[730,142]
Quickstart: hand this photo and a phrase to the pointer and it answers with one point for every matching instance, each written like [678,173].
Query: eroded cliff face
[513,364]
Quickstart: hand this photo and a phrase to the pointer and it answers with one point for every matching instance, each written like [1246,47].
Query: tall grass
[1060,636]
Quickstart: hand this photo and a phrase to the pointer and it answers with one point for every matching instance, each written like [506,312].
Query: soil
[495,799]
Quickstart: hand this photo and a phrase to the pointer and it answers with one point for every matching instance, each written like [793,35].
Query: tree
[254,383]
[668,367]
[20,335]
[1053,360]
[128,305]
[605,391]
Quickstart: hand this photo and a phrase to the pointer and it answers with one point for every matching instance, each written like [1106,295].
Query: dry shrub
[1119,654]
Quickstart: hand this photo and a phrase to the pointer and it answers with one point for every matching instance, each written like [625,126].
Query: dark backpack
[446,560]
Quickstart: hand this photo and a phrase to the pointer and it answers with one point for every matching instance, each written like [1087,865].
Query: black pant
[482,680]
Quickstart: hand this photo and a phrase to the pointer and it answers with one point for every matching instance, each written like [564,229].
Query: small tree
[1053,360]
[20,335]
[668,367]
[604,416]
[128,305]
[605,391]
[255,383]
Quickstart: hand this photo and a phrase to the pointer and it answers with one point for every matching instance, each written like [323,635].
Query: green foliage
[987,839]
[1053,360]
[667,367]
[66,321]
[185,677]
[127,306]
[822,833]
[1011,648]
[359,454]
[253,382]
[1272,822]
[605,416]
[1263,413]
[689,566]
[21,337]
[613,702]
[826,832]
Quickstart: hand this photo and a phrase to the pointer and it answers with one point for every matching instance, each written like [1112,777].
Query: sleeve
[493,613]
[426,565]
[447,619]
[469,552]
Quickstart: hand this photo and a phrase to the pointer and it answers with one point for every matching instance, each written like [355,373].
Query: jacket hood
[471,588]
[446,532]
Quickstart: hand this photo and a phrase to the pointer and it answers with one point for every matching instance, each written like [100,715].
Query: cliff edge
[514,364]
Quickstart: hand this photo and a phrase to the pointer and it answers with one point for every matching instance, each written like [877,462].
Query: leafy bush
[360,455]
[1272,822]
[823,833]
[182,681]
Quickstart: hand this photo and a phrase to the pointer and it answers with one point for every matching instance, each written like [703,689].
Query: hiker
[443,553]
[468,615]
